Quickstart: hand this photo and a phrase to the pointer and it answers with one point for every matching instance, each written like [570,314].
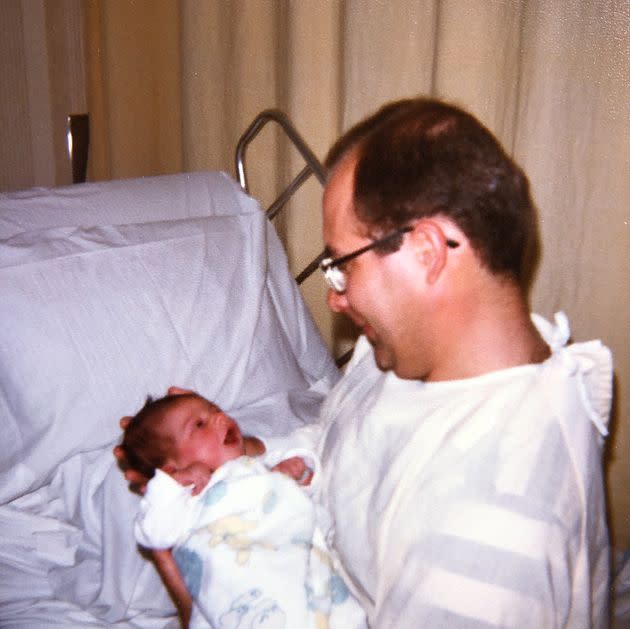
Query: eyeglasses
[336,277]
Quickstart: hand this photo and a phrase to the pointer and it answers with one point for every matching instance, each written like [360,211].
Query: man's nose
[337,302]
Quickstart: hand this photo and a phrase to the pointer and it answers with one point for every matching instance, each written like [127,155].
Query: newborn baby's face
[203,433]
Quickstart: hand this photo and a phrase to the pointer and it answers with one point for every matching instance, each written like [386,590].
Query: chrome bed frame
[313,167]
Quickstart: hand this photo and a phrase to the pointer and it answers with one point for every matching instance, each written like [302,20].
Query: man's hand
[296,469]
[174,582]
[137,481]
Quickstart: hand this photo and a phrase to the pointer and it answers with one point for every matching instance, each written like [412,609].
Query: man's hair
[353,136]
[147,447]
[421,157]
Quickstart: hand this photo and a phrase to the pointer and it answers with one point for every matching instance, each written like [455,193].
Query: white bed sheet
[94,318]
[123,201]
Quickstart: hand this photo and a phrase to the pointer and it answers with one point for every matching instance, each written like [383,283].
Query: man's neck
[488,331]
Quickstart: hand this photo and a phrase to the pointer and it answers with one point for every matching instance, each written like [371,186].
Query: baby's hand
[296,469]
[196,474]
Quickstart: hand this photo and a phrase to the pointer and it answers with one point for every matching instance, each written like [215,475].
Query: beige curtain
[134,88]
[173,84]
[42,81]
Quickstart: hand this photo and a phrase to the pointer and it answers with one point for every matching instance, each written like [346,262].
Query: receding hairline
[419,110]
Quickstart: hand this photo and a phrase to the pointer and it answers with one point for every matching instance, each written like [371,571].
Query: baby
[249,542]
[189,437]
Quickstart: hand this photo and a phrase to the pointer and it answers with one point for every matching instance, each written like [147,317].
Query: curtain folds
[42,79]
[179,81]
[134,88]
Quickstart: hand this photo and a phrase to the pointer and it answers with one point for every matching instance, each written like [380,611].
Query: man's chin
[369,333]
[381,357]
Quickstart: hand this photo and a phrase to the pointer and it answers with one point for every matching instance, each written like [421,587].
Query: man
[458,187]
[461,451]
[461,454]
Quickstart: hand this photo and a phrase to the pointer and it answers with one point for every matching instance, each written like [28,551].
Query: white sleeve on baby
[162,516]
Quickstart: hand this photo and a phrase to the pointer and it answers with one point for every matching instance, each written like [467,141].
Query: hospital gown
[475,503]
[251,548]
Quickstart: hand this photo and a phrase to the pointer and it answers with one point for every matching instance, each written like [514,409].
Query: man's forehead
[341,178]
[340,221]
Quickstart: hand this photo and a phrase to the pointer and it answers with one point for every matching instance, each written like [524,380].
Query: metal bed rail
[312,167]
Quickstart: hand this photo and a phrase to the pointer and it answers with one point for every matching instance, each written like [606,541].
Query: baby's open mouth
[232,436]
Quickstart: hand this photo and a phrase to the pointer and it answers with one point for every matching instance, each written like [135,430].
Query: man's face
[202,432]
[376,298]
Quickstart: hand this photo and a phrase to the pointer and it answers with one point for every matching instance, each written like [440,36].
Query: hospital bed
[112,291]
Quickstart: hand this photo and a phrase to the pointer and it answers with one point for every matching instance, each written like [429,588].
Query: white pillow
[95,318]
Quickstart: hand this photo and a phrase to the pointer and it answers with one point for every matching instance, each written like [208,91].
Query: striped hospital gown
[475,503]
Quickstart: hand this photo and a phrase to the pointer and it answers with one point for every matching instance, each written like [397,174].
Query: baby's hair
[147,447]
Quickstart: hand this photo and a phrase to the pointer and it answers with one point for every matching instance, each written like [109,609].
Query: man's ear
[430,247]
